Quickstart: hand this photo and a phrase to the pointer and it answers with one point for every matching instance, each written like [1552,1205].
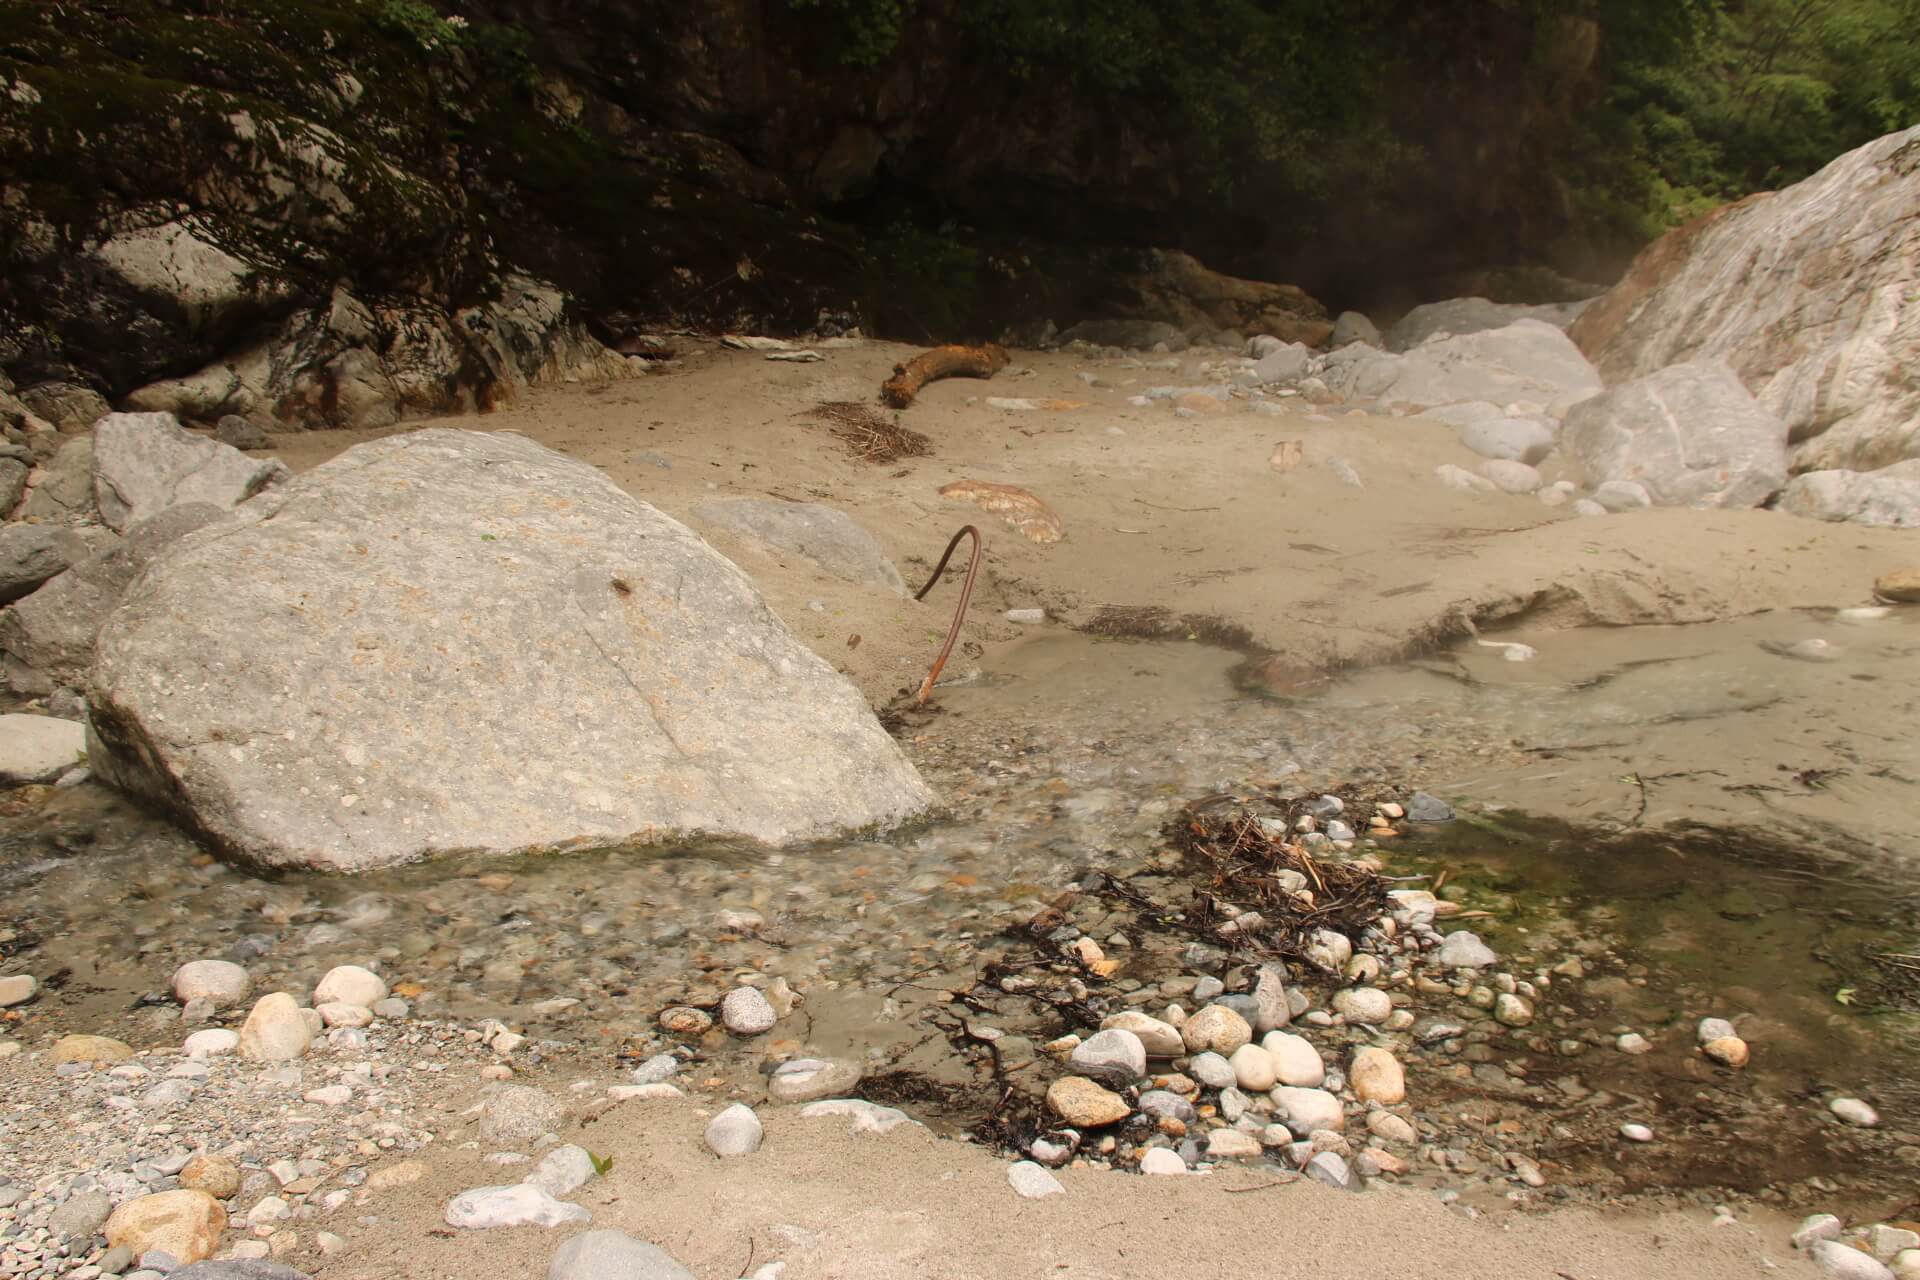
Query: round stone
[734,1132]
[1391,1128]
[1902,586]
[17,989]
[1211,1070]
[1512,1011]
[1307,1110]
[1854,1112]
[276,1030]
[1033,1182]
[1162,1161]
[1711,1029]
[1636,1133]
[1462,949]
[1633,1042]
[350,984]
[1216,1028]
[1728,1051]
[746,1012]
[338,1013]
[219,982]
[1253,1068]
[1113,1057]
[685,1021]
[184,1224]
[807,1079]
[1368,1005]
[218,1176]
[1159,1039]
[1376,1076]
[210,1043]
[83,1048]
[1295,1061]
[1084,1104]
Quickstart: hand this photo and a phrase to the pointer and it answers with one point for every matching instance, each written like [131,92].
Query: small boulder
[1216,1028]
[1901,586]
[216,1175]
[1084,1104]
[30,554]
[1254,1069]
[1113,1057]
[38,749]
[1463,949]
[144,463]
[350,984]
[515,1206]
[1159,1039]
[562,1171]
[276,1030]
[1888,497]
[613,1255]
[1376,1076]
[85,1048]
[1296,1063]
[735,1132]
[184,1224]
[1033,1182]
[746,1012]
[1306,1111]
[219,982]
[806,1079]
[512,1115]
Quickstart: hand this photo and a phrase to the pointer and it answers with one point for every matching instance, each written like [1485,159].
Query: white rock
[1158,1038]
[1636,1133]
[1032,1181]
[1712,1029]
[1296,1062]
[1115,1057]
[735,1131]
[1307,1110]
[1253,1068]
[1512,1010]
[1854,1112]
[746,1012]
[1163,1162]
[516,1206]
[1364,1004]
[1888,1242]
[1211,1070]
[562,1171]
[276,1030]
[17,989]
[338,1013]
[350,984]
[1633,1042]
[614,1255]
[38,748]
[868,1117]
[1818,1226]
[1844,1262]
[1329,950]
[211,1043]
[220,982]
[805,1079]
[1462,949]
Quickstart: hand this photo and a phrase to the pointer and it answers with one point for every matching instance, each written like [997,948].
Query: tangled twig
[960,611]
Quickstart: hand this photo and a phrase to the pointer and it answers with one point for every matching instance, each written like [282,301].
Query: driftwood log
[952,361]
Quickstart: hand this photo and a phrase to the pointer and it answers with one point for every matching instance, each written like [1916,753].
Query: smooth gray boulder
[1690,434]
[450,641]
[30,554]
[144,463]
[52,631]
[1459,316]
[1524,361]
[38,748]
[613,1255]
[65,488]
[1285,363]
[825,535]
[1515,439]
[1889,497]
[1353,326]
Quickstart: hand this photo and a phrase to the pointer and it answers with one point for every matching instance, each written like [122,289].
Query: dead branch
[951,361]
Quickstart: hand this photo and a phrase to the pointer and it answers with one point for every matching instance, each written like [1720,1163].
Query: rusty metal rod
[960,612]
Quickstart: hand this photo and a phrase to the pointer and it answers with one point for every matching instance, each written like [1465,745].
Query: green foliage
[418,21]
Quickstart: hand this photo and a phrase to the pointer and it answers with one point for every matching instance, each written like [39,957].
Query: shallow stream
[1713,821]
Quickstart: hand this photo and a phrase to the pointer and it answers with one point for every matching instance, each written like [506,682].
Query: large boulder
[825,535]
[1459,316]
[1691,434]
[1889,496]
[456,642]
[1811,294]
[1527,361]
[51,632]
[144,463]
[64,490]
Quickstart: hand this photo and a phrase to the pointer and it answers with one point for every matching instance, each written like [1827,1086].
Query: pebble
[1331,1169]
[185,1224]
[746,1012]
[1426,808]
[685,1021]
[1216,1028]
[562,1171]
[514,1114]
[1295,1061]
[1032,1181]
[662,1066]
[1392,1128]
[1364,1004]
[1636,1133]
[1114,1057]
[1728,1051]
[1512,1011]
[1084,1104]
[1162,1162]
[1160,1039]
[1376,1076]
[17,989]
[211,1043]
[735,1131]
[1232,1144]
[1711,1029]
[1854,1112]
[1253,1068]
[1844,1262]
[350,984]
[1463,949]
[515,1206]
[219,982]
[806,1079]
[1272,1008]
[1633,1042]
[1212,1070]
[84,1048]
[275,1030]
[1305,1110]
[613,1255]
